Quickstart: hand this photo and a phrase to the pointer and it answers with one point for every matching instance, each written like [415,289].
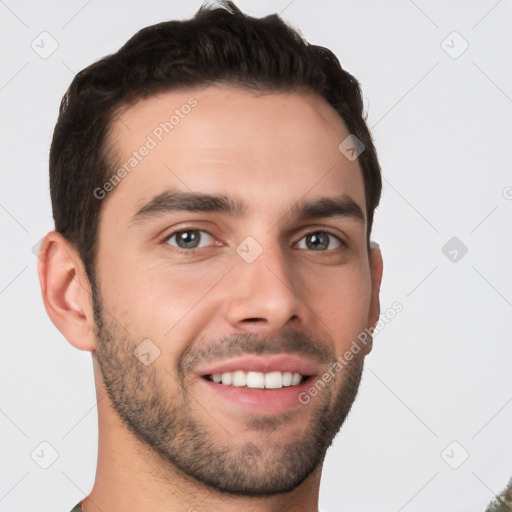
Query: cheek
[342,300]
[169,304]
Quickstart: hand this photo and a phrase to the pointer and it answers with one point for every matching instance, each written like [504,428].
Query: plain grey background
[431,427]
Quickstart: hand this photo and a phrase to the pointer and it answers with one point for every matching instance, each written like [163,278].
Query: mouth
[257,380]
[256,384]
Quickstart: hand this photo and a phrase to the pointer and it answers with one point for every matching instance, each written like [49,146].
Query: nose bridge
[263,288]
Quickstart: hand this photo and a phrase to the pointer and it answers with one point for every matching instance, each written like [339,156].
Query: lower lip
[266,401]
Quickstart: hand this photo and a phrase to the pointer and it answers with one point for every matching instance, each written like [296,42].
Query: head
[206,224]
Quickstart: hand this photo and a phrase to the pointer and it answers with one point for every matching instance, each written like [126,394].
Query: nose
[264,295]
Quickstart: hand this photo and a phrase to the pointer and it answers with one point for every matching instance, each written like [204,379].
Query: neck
[130,476]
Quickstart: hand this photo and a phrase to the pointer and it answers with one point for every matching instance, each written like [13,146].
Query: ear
[376,268]
[66,291]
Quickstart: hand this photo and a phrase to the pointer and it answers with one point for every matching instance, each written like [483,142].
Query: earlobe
[66,291]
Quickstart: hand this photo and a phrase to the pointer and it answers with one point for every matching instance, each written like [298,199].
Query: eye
[189,239]
[320,241]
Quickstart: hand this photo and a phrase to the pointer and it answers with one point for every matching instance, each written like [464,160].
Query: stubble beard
[165,423]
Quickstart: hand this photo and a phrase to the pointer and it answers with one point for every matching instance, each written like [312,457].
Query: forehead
[222,139]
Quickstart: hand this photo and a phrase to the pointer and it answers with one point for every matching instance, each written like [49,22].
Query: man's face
[271,289]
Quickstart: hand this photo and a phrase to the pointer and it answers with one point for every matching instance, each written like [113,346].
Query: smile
[257,380]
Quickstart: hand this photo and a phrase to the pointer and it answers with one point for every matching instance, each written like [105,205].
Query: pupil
[317,241]
[187,239]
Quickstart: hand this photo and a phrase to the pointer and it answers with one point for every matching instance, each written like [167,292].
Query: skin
[270,151]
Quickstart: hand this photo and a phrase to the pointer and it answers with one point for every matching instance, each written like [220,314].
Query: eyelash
[179,250]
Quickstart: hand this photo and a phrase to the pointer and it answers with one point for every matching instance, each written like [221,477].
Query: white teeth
[227,378]
[257,380]
[239,378]
[274,380]
[287,378]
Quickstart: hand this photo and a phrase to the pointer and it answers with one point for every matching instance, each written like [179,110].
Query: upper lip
[263,364]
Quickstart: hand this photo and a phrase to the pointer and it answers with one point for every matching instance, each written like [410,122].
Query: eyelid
[342,242]
[185,229]
[310,230]
[178,228]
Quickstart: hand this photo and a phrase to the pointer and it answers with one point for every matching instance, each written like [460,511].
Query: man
[213,187]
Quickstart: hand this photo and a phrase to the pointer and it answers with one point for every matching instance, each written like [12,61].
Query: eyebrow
[174,201]
[339,206]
